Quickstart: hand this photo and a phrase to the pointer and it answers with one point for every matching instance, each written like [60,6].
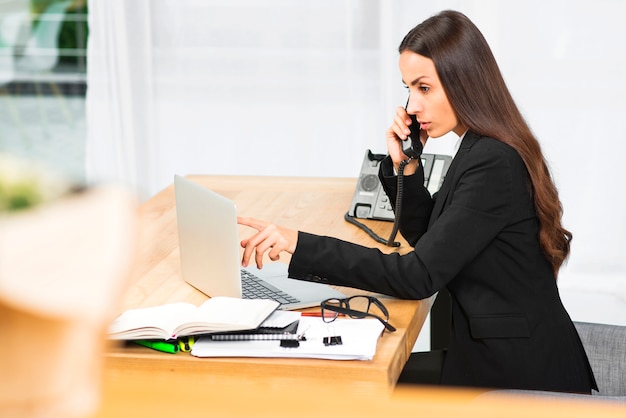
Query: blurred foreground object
[64,260]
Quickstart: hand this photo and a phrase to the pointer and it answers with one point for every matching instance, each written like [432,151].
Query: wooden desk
[142,382]
[314,205]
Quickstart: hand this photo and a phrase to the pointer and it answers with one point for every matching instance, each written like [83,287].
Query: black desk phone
[370,201]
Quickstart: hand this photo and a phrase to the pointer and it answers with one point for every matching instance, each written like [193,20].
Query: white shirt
[457,145]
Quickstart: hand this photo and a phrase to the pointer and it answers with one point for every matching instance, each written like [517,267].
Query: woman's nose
[413,105]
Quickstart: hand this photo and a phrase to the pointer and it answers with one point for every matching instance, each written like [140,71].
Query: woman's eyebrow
[414,82]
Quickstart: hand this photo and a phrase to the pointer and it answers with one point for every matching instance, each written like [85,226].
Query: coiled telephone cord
[391,242]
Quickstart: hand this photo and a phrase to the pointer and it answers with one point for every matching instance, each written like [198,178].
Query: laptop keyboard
[255,288]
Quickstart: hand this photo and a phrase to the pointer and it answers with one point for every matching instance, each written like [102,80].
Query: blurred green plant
[24,184]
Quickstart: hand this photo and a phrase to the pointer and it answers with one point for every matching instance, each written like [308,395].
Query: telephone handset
[413,151]
[412,146]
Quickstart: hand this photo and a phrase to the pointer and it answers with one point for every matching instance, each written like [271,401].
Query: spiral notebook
[280,325]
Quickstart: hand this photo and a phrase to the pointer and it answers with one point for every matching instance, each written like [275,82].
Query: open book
[218,314]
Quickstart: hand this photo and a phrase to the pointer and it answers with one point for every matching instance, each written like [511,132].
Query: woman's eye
[424,89]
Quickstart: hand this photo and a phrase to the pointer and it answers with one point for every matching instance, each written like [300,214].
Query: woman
[492,236]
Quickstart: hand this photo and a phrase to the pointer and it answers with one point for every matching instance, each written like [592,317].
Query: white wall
[277,87]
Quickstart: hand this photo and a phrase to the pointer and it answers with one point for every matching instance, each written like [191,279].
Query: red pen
[319,314]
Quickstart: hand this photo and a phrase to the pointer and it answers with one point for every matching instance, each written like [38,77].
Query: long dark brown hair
[482,102]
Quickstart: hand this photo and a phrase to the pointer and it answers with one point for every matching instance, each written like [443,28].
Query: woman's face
[427,100]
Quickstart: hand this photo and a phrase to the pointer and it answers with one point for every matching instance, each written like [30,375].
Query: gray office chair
[606,348]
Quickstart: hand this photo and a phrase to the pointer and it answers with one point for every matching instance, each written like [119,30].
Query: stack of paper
[358,336]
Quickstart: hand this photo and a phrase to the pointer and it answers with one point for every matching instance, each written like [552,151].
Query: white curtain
[303,88]
[121,145]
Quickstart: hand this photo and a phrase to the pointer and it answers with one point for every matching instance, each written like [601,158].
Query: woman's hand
[399,131]
[270,238]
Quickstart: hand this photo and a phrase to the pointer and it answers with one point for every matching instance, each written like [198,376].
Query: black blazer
[478,237]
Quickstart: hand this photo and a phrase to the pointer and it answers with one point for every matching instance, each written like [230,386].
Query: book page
[227,314]
[152,322]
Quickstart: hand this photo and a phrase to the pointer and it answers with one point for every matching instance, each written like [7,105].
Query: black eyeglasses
[374,308]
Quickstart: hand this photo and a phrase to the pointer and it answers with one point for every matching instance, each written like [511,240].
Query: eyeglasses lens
[328,314]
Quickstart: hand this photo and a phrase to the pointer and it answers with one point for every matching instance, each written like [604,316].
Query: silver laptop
[210,254]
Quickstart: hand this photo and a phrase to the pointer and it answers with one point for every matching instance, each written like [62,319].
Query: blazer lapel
[441,196]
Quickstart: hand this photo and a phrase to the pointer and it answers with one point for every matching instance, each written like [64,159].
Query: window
[43,82]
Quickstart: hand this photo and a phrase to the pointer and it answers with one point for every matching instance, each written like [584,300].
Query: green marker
[163,346]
